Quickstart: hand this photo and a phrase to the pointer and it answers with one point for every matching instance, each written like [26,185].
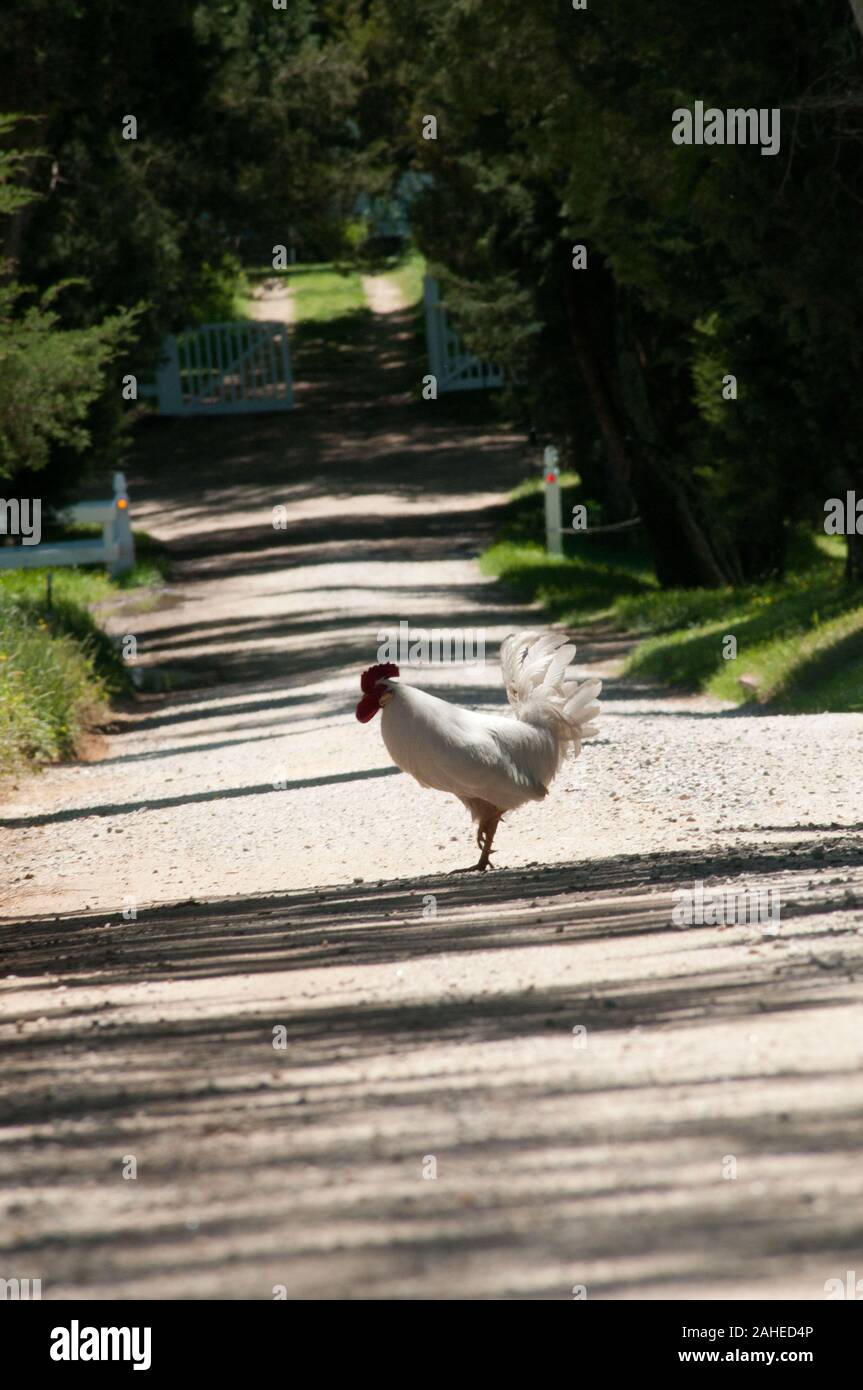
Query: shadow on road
[334,1126]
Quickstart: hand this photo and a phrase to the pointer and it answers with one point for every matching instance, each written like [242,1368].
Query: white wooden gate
[224,369]
[454,369]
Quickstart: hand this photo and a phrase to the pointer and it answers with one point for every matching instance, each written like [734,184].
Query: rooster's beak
[386,697]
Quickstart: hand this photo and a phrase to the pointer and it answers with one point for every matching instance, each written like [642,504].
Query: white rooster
[491,762]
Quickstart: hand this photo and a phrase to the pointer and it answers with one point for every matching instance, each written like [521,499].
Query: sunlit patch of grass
[784,631]
[325,292]
[829,675]
[57,666]
[799,639]
[407,274]
[570,590]
[584,583]
[822,669]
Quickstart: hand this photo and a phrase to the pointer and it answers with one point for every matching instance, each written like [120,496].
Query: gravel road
[500,1086]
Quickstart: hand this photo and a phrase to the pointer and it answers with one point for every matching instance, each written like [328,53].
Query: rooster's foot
[484,836]
[483,863]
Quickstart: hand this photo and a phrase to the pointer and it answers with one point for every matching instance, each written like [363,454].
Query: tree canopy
[701,262]
[699,359]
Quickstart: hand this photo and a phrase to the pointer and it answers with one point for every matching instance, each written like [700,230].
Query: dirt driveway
[234,962]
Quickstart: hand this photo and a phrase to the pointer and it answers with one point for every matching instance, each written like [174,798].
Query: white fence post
[553,517]
[434,326]
[168,384]
[122,529]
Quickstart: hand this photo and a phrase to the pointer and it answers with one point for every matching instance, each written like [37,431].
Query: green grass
[591,577]
[322,291]
[332,321]
[325,292]
[57,666]
[799,640]
[407,274]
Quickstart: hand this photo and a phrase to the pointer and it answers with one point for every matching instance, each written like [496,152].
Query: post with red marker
[119,530]
[553,518]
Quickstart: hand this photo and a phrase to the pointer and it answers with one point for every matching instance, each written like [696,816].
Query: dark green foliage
[554,129]
[257,127]
[51,376]
[244,136]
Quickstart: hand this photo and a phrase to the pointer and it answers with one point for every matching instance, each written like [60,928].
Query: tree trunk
[681,551]
[618,465]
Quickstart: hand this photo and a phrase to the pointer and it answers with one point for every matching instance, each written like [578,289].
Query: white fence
[116,549]
[224,369]
[454,369]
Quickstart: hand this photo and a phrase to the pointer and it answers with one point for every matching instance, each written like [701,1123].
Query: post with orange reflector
[121,530]
[553,519]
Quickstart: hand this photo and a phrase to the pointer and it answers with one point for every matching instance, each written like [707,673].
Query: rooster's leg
[488,829]
[484,836]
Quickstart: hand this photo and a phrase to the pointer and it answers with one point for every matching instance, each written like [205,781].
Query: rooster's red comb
[370,678]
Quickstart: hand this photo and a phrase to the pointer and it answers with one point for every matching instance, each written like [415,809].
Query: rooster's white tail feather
[541,685]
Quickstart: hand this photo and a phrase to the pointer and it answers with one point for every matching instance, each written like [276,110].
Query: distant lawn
[325,292]
[57,667]
[331,332]
[407,274]
[799,640]
[331,319]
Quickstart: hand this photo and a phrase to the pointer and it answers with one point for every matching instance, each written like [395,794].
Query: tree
[49,376]
[701,262]
[243,135]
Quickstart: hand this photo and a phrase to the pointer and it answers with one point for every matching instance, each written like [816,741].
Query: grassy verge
[407,274]
[799,641]
[325,292]
[331,319]
[322,291]
[587,582]
[57,667]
